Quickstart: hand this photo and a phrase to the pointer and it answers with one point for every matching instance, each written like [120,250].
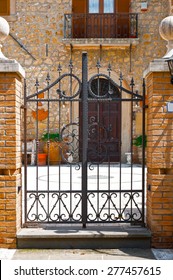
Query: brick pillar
[11,74]
[159,155]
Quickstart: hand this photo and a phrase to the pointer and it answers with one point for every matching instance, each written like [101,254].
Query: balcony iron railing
[119,25]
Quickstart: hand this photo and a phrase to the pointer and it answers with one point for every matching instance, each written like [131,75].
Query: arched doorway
[104,123]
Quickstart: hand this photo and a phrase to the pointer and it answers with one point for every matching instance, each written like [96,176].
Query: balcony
[118,30]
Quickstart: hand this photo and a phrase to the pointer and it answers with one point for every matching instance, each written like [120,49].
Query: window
[5,7]
[101,6]
[93,6]
[108,6]
[101,19]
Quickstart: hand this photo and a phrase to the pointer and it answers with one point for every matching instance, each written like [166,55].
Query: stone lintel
[157,65]
[9,65]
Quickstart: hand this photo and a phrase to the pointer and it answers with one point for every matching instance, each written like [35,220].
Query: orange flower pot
[54,152]
[42,159]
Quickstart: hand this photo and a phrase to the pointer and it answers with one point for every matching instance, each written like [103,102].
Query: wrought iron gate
[88,181]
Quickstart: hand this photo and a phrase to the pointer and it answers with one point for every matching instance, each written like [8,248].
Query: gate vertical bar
[143,154]
[25,150]
[84,135]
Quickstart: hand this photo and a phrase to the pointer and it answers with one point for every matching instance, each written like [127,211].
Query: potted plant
[41,159]
[52,147]
[138,143]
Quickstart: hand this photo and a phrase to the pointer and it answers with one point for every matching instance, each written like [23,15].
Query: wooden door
[104,126]
[101,18]
[104,132]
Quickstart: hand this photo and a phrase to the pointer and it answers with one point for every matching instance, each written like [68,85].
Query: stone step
[76,237]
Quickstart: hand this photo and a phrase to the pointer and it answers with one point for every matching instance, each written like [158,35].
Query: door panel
[101,19]
[103,126]
[98,19]
[104,132]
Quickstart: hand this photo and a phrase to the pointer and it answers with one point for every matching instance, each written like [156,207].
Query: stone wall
[41,23]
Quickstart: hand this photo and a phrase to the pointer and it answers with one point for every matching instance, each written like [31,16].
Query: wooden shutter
[79,6]
[123,6]
[123,18]
[4,7]
[78,19]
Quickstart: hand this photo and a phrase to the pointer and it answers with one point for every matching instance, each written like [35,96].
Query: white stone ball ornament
[166,32]
[4,32]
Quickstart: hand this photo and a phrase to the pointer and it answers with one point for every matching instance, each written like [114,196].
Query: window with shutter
[101,19]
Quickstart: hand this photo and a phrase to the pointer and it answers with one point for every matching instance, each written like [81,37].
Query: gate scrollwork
[89,182]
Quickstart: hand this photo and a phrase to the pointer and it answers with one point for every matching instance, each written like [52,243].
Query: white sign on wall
[170,107]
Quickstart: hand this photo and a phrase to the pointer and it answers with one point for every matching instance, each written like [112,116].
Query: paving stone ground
[97,254]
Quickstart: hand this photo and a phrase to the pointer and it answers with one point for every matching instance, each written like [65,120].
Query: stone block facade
[11,86]
[159,159]
[38,27]
[42,22]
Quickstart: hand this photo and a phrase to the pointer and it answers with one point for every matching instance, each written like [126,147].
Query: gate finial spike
[59,69]
[132,83]
[48,78]
[98,65]
[37,84]
[71,64]
[109,68]
[121,77]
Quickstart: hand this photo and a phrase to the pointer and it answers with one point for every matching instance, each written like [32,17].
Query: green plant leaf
[51,136]
[138,141]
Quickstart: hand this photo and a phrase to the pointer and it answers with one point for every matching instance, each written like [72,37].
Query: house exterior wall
[41,22]
[39,25]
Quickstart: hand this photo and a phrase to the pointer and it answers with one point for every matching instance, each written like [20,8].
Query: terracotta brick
[167,233]
[163,211]
[9,180]
[162,245]
[159,160]
[162,199]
